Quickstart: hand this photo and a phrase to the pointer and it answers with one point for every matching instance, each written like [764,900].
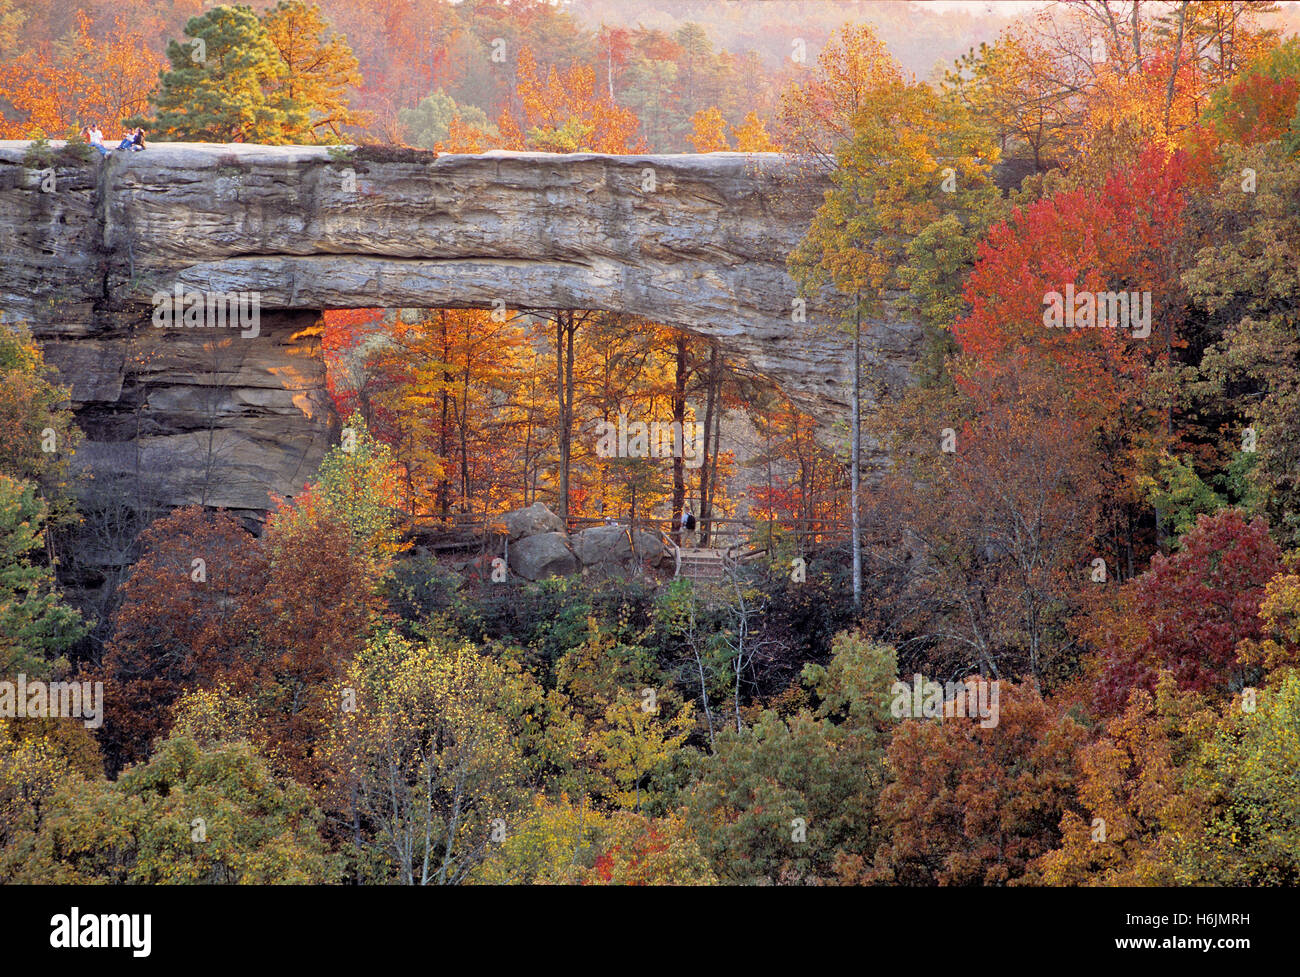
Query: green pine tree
[224,83]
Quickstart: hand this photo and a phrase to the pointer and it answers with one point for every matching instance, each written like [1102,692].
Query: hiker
[139,139]
[688,522]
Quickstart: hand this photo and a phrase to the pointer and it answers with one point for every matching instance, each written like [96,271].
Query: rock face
[221,415]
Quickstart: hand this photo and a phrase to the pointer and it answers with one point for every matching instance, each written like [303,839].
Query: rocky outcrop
[92,248]
[537,545]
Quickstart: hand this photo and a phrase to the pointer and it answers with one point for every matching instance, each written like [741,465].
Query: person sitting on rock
[132,140]
[96,138]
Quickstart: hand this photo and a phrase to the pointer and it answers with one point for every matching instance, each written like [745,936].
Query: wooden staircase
[702,563]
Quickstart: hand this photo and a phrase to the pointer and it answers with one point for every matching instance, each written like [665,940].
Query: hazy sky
[1006,7]
[1009,7]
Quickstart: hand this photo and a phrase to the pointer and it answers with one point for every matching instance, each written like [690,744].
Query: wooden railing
[726,532]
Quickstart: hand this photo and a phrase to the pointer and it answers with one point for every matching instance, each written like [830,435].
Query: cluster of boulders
[536,545]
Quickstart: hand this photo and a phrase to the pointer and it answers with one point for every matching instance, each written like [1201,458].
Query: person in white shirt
[96,138]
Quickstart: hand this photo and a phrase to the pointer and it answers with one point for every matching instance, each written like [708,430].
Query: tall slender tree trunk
[609,64]
[679,419]
[564,395]
[444,438]
[559,416]
[568,411]
[713,464]
[855,450]
[463,424]
[710,402]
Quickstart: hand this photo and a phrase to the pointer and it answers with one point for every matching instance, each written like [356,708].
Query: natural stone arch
[695,241]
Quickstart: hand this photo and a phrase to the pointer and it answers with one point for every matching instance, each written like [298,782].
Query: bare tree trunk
[710,404]
[717,440]
[568,412]
[855,449]
[679,419]
[1178,56]
[565,327]
[609,64]
[444,438]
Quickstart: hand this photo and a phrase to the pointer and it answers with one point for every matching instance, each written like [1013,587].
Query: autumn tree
[356,486]
[1049,248]
[1191,609]
[649,851]
[1243,390]
[451,407]
[196,812]
[319,71]
[751,136]
[36,626]
[1249,833]
[708,133]
[1002,84]
[320,605]
[910,161]
[38,434]
[566,843]
[1259,104]
[183,624]
[562,112]
[426,755]
[633,741]
[38,758]
[556,842]
[973,803]
[92,77]
[1136,810]
[819,114]
[11,21]
[991,515]
[1087,86]
[225,82]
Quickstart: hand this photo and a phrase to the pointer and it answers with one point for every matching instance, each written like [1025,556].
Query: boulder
[543,555]
[610,545]
[533,521]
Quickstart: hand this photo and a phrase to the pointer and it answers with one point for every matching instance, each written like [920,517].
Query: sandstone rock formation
[223,416]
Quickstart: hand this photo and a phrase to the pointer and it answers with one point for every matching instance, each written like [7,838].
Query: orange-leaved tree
[87,80]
